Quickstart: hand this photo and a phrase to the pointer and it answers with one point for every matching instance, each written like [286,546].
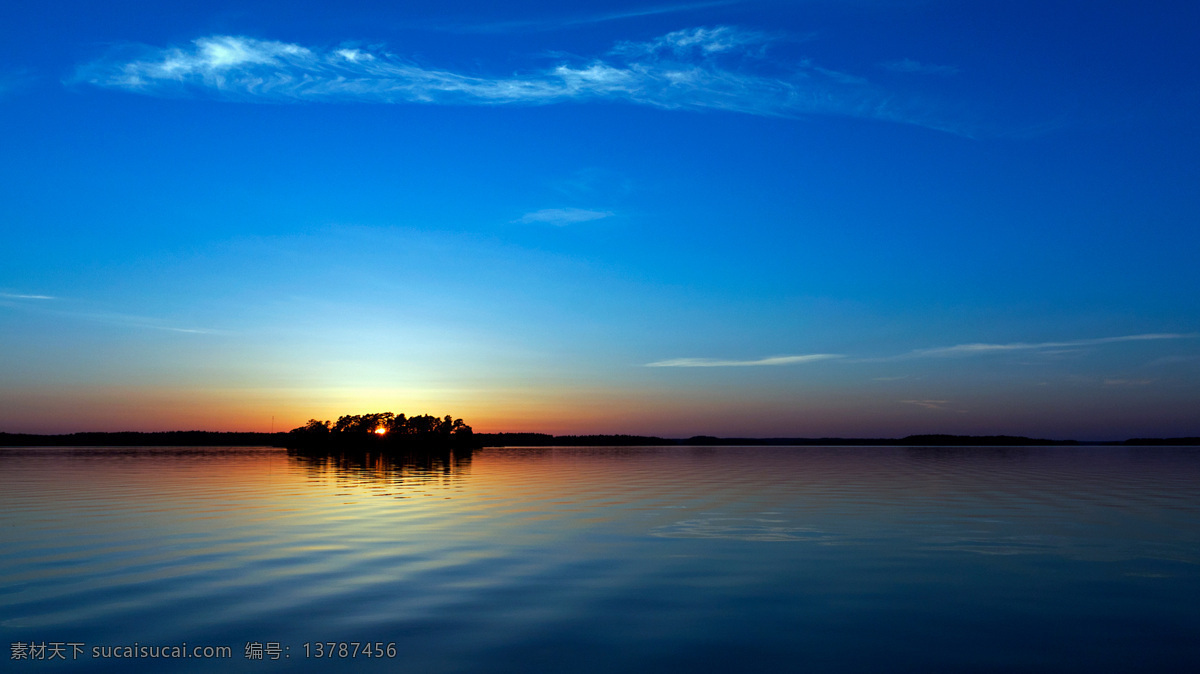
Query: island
[383,431]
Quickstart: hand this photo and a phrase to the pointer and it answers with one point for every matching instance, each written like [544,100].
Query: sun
[381,431]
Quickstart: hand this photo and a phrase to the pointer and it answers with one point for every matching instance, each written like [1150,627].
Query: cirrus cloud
[982,349]
[717,68]
[562,216]
[959,350]
[19,296]
[774,360]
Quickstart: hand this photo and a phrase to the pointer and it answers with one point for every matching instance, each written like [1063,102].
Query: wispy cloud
[984,349]
[697,41]
[41,304]
[16,296]
[562,216]
[133,321]
[774,360]
[961,350]
[537,25]
[717,68]
[928,404]
[911,66]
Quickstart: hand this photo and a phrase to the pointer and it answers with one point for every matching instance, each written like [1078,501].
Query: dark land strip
[234,439]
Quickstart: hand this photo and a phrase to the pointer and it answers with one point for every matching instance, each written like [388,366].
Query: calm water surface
[610,559]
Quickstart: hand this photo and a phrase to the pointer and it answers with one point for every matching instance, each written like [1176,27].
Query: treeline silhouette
[138,439]
[431,431]
[546,440]
[932,440]
[384,431]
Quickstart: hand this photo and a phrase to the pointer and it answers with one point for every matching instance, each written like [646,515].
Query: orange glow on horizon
[582,411]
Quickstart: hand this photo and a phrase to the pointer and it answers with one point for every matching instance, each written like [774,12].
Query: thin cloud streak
[774,360]
[946,351]
[142,322]
[928,404]
[562,216]
[691,69]
[703,41]
[556,24]
[16,301]
[983,349]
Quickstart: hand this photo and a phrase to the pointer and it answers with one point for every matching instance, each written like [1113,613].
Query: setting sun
[381,431]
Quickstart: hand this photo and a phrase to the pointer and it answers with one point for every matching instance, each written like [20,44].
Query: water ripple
[594,559]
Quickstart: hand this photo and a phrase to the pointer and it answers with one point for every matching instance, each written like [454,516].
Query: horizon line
[778,440]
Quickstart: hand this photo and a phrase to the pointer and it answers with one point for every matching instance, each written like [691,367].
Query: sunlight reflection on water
[595,559]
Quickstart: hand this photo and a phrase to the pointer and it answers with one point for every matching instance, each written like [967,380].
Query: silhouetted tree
[363,423]
[399,424]
[385,430]
[314,426]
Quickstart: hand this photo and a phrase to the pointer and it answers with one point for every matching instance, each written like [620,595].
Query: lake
[661,559]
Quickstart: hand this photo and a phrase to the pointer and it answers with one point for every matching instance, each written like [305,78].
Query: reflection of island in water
[368,465]
[383,446]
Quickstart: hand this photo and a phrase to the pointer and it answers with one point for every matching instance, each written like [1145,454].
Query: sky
[761,218]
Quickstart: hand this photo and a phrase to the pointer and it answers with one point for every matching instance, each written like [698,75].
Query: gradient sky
[761,218]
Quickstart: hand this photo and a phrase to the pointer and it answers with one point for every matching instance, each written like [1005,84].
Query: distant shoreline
[232,439]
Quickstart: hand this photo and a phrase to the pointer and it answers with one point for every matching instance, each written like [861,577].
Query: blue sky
[859,218]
